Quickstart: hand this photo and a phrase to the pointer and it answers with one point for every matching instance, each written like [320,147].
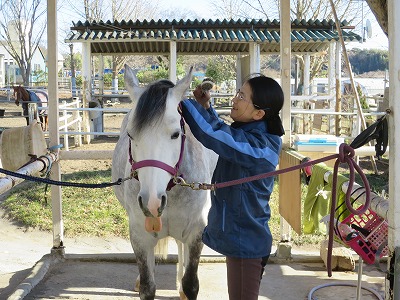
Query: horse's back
[41,98]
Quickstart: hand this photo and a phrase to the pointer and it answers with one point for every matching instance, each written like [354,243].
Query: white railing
[303,107]
[70,118]
[296,112]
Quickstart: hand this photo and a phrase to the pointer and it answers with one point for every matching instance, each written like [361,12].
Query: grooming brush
[207,84]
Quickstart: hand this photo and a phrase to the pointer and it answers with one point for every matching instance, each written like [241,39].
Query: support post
[331,84]
[306,104]
[393,288]
[285,52]
[254,53]
[55,174]
[87,88]
[338,80]
[172,61]
[101,76]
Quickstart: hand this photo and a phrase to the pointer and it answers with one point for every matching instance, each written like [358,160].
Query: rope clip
[194,185]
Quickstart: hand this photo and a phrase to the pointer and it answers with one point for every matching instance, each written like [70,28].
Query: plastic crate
[371,236]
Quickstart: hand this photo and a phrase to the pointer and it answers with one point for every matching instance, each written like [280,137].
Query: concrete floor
[104,268]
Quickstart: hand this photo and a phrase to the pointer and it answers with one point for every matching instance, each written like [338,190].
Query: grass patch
[300,240]
[97,212]
[86,212]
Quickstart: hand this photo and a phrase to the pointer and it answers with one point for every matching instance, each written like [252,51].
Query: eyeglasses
[239,95]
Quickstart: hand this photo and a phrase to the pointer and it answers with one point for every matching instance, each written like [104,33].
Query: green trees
[369,60]
[221,69]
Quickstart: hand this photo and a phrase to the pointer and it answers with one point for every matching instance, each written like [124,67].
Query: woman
[238,218]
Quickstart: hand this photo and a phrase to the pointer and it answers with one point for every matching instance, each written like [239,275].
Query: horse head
[17,94]
[156,135]
[20,94]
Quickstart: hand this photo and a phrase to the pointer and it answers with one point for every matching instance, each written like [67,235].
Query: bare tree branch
[21,31]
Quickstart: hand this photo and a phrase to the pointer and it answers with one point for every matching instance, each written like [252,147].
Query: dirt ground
[112,123]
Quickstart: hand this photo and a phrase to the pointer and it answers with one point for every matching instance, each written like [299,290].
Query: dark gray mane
[151,104]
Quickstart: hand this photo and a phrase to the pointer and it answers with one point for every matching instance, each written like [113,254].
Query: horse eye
[175,135]
[129,136]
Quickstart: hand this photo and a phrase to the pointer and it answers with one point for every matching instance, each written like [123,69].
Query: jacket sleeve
[245,148]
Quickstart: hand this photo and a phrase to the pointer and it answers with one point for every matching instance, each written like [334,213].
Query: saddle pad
[17,143]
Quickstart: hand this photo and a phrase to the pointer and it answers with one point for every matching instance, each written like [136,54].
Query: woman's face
[243,109]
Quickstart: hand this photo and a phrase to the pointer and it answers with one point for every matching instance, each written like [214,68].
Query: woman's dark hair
[267,95]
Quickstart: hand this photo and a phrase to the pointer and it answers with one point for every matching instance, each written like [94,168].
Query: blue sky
[378,39]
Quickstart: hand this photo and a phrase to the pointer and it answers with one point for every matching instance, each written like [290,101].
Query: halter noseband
[159,164]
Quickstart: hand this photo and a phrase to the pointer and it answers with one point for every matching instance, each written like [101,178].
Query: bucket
[17,144]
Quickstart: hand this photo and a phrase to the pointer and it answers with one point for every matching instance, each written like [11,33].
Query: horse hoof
[182,296]
[137,285]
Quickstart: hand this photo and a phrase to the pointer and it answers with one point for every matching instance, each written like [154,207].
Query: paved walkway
[101,268]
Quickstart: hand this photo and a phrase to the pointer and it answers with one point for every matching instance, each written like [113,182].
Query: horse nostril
[140,200]
[163,204]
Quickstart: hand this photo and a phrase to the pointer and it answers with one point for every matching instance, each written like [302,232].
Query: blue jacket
[238,218]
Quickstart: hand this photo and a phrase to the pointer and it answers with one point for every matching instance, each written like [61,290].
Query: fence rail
[305,111]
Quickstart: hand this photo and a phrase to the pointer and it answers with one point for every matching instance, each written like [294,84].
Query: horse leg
[146,264]
[43,122]
[46,122]
[180,268]
[190,281]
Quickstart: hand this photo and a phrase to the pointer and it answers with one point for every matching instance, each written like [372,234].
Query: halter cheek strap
[159,164]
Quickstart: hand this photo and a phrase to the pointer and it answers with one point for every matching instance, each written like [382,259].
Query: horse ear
[183,84]
[132,84]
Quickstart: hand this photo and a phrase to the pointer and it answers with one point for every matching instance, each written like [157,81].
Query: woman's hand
[203,97]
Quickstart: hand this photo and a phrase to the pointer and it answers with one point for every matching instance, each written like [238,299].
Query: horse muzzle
[153,211]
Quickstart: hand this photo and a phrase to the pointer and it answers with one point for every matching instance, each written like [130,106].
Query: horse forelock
[151,105]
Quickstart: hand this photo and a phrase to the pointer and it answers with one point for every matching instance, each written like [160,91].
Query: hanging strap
[377,131]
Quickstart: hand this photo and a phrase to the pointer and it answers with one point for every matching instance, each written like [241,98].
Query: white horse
[157,146]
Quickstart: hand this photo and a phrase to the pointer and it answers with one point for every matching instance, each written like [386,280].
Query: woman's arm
[236,145]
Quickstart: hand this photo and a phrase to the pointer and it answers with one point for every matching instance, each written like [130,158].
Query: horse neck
[24,94]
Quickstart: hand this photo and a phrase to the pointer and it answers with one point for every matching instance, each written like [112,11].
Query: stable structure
[286,39]
[247,39]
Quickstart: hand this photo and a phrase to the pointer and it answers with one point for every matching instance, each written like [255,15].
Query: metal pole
[8,182]
[360,270]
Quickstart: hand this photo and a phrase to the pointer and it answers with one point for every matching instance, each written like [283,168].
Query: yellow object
[20,142]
